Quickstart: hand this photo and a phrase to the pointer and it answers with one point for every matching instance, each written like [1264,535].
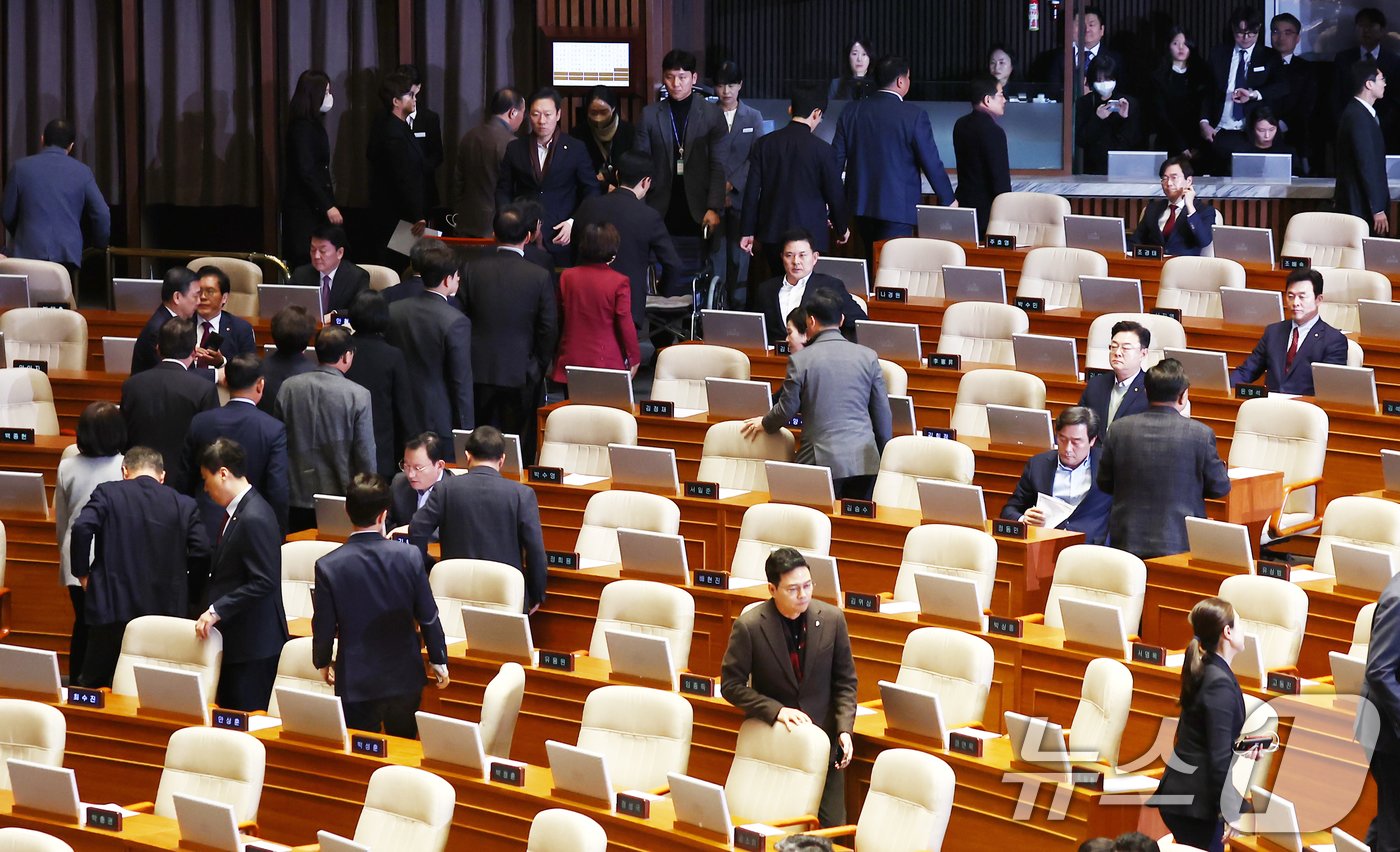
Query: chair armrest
[877,704]
[887,596]
[1277,516]
[249,828]
[809,821]
[1033,618]
[141,807]
[833,832]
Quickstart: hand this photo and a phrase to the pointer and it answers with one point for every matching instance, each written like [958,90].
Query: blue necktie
[1241,72]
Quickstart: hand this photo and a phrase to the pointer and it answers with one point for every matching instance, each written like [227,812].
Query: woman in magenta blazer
[596,302]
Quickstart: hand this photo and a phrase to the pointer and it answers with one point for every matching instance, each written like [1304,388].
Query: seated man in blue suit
[1068,473]
[1121,393]
[778,296]
[221,335]
[1289,348]
[1176,222]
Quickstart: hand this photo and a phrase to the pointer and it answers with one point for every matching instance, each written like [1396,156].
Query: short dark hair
[679,60]
[824,306]
[1263,113]
[1097,844]
[101,430]
[1097,12]
[781,561]
[729,72]
[224,452]
[1104,65]
[598,243]
[1183,163]
[410,71]
[506,99]
[435,262]
[1298,275]
[1166,380]
[366,496]
[1077,414]
[178,279]
[983,86]
[510,226]
[794,235]
[1134,841]
[369,313]
[242,372]
[292,328]
[1251,17]
[798,318]
[59,132]
[548,93]
[1144,334]
[218,275]
[430,443]
[393,87]
[176,339]
[1286,18]
[890,68]
[806,99]
[606,94]
[1362,72]
[143,458]
[633,168]
[333,234]
[1369,16]
[332,342]
[804,843]
[486,443]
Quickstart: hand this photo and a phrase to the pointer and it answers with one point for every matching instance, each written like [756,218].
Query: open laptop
[499,634]
[1137,165]
[1254,166]
[826,577]
[335,843]
[1360,567]
[1103,234]
[207,824]
[1097,625]
[1022,427]
[902,416]
[136,295]
[1209,371]
[700,804]
[649,468]
[1277,819]
[893,341]
[1379,320]
[735,399]
[951,598]
[1035,741]
[331,519]
[272,298]
[1348,672]
[116,354]
[1340,386]
[739,329]
[653,555]
[850,271]
[1254,308]
[175,691]
[803,484]
[640,655]
[1382,255]
[913,711]
[30,670]
[1390,469]
[511,465]
[311,714]
[1099,295]
[580,772]
[1046,355]
[943,502]
[1246,245]
[22,493]
[974,284]
[14,291]
[452,741]
[594,386]
[955,224]
[45,789]
[1220,542]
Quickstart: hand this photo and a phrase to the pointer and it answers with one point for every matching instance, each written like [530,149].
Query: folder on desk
[1100,295]
[30,670]
[1360,567]
[594,386]
[45,789]
[311,714]
[452,741]
[700,804]
[331,518]
[511,466]
[913,711]
[803,484]
[942,502]
[739,329]
[736,399]
[850,271]
[956,224]
[580,772]
[641,656]
[499,634]
[1220,542]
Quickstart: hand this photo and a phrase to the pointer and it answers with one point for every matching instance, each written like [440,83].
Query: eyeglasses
[413,468]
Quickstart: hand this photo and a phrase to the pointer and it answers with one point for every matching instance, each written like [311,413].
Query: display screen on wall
[592,63]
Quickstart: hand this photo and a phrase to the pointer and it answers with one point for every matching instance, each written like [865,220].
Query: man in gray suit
[46,197]
[1382,688]
[479,163]
[745,125]
[1160,466]
[838,388]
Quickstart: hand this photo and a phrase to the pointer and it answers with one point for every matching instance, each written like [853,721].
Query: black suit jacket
[1323,344]
[1362,189]
[349,282]
[277,368]
[1089,517]
[397,190]
[567,182]
[380,368]
[245,583]
[1189,235]
[624,140]
[436,342]
[145,352]
[1299,108]
[1099,389]
[793,182]
[704,132]
[1205,738]
[984,163]
[777,323]
[1382,685]
[1389,115]
[1265,74]
[515,315]
[262,437]
[427,132]
[158,406]
[413,286]
[645,242]
[403,500]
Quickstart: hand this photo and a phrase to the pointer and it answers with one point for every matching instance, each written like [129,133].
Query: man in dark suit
[222,335]
[1382,689]
[789,663]
[744,127]
[479,156]
[1288,349]
[1066,473]
[372,595]
[421,469]
[882,144]
[798,283]
[47,197]
[380,368]
[1113,396]
[179,296]
[412,286]
[1176,222]
[482,515]
[436,341]
[1160,467]
[1245,76]
[340,281]
[291,328]
[397,191]
[1362,189]
[149,544]
[979,144]
[159,404]
[551,167]
[426,127]
[1296,113]
[1371,29]
[1091,26]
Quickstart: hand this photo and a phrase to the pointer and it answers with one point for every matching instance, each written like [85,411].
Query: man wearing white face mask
[1105,119]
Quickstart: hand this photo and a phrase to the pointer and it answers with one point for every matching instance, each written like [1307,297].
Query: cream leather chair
[981,332]
[1361,632]
[295,670]
[681,372]
[770,525]
[213,763]
[1365,521]
[961,552]
[644,734]
[909,458]
[559,830]
[1053,274]
[15,839]
[167,642]
[1287,435]
[1002,387]
[299,574]
[1275,611]
[1105,575]
[734,461]
[1355,354]
[26,401]
[576,438]
[1192,284]
[1342,289]
[649,608]
[1105,697]
[777,774]
[406,808]
[500,708]
[954,665]
[43,334]
[907,806]
[30,731]
[1033,218]
[244,276]
[474,582]
[1328,239]
[1166,332]
[608,510]
[896,378]
[48,281]
[380,277]
[916,264]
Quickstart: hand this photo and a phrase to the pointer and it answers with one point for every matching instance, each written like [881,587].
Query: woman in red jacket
[596,302]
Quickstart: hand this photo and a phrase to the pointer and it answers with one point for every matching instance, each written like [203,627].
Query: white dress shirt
[1226,122]
[790,295]
[1072,483]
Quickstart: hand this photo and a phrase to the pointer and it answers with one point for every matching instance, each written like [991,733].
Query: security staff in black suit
[235,334]
[245,582]
[1092,25]
[426,127]
[1066,472]
[1176,222]
[340,281]
[179,295]
[1298,110]
[1371,33]
[1382,689]
[979,144]
[379,367]
[1122,392]
[149,544]
[372,595]
[420,470]
[159,404]
[1245,76]
[778,296]
[1362,189]
[412,285]
[396,167]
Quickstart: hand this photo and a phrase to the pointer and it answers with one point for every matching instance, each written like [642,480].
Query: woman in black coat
[1105,120]
[308,199]
[1178,87]
[604,133]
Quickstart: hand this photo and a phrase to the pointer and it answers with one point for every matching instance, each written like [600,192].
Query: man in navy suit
[798,283]
[159,404]
[1176,222]
[882,144]
[1245,76]
[1067,473]
[1123,392]
[372,595]
[179,296]
[1361,182]
[340,281]
[1382,689]
[235,334]
[422,468]
[46,196]
[1289,348]
[245,582]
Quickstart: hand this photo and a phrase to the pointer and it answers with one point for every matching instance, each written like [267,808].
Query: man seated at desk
[1289,348]
[798,283]
[1066,473]
[1176,222]
[1121,393]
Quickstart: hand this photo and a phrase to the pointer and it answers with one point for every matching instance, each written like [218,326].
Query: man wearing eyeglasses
[1176,222]
[422,467]
[1122,392]
[1246,75]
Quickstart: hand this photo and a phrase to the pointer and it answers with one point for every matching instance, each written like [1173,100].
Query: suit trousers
[832,810]
[873,230]
[512,410]
[731,261]
[104,646]
[394,715]
[77,643]
[247,685]
[1204,834]
[1384,835]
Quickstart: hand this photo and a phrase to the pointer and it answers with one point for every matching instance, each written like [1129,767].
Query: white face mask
[1105,88]
[327,102]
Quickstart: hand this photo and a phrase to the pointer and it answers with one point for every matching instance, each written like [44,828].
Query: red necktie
[1292,350]
[1170,225]
[208,330]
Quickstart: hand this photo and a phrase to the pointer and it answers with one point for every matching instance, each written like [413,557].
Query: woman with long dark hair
[1179,85]
[308,199]
[857,75]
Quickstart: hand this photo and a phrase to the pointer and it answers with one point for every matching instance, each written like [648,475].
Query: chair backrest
[1052,274]
[1105,575]
[909,458]
[961,552]
[1033,218]
[1105,697]
[916,264]
[1361,631]
[406,808]
[608,510]
[1342,289]
[500,707]
[299,574]
[30,731]
[244,278]
[167,642]
[777,774]
[48,281]
[644,733]
[1166,332]
[1287,435]
[954,665]
[1328,239]
[1002,387]
[681,372]
[1355,354]
[648,607]
[560,830]
[981,332]
[770,525]
[1192,284]
[380,277]
[42,334]
[213,763]
[1275,611]
[26,401]
[734,461]
[475,582]
[1367,521]
[576,438]
[295,670]
[908,804]
[14,839]
[896,378]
